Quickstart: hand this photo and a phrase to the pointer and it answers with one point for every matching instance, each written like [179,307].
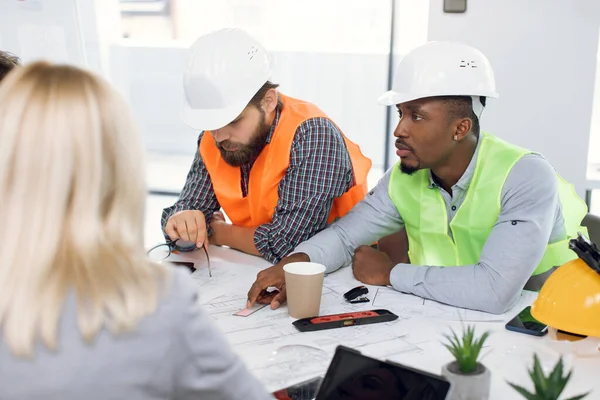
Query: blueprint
[276,351]
[413,305]
[227,279]
[279,355]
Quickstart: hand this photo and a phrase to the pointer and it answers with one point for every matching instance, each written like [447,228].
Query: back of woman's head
[72,190]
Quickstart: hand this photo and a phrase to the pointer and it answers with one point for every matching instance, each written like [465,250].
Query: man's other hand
[371,266]
[272,277]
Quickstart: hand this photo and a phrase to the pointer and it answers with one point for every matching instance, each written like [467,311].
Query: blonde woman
[83,313]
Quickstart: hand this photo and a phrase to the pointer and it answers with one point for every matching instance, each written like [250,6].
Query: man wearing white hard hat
[483,217]
[280,169]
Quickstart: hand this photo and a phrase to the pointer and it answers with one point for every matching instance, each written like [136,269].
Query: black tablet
[352,375]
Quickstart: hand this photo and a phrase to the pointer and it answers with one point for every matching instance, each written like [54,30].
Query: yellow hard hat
[570,298]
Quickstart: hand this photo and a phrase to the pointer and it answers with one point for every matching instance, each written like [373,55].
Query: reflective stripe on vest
[270,167]
[424,211]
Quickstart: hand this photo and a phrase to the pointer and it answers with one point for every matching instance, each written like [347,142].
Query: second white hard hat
[441,69]
[223,71]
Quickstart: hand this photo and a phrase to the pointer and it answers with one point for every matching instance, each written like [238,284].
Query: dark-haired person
[7,62]
[278,167]
[483,217]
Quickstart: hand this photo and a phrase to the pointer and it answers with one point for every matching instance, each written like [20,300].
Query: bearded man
[278,167]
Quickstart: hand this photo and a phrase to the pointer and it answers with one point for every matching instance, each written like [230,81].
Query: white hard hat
[441,69]
[223,71]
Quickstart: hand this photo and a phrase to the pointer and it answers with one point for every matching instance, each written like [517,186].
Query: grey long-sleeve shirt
[177,353]
[530,218]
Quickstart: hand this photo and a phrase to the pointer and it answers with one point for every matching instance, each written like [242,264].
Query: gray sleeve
[512,252]
[205,366]
[369,220]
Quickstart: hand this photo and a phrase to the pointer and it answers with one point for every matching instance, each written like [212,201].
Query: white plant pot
[474,386]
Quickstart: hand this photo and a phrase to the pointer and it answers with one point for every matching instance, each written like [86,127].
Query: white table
[412,340]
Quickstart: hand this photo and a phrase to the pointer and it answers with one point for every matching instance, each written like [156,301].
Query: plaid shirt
[320,170]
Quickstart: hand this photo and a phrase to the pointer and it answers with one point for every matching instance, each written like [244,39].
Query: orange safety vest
[270,167]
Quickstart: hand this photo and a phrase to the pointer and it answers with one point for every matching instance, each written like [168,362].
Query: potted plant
[546,387]
[469,378]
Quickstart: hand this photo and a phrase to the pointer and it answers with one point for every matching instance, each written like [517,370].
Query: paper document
[276,351]
[402,303]
[227,278]
[385,297]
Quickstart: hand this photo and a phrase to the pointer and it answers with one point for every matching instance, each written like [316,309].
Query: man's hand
[272,277]
[188,225]
[371,266]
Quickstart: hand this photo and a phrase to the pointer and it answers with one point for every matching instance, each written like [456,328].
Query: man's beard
[247,153]
[405,169]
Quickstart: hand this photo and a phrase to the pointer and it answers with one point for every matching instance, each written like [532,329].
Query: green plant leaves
[466,351]
[537,376]
[524,392]
[546,387]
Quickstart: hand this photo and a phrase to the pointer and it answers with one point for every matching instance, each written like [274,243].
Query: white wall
[594,150]
[100,26]
[150,78]
[324,26]
[72,31]
[544,56]
[42,29]
[410,31]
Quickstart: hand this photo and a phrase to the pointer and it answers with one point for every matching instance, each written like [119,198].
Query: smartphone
[525,323]
[354,375]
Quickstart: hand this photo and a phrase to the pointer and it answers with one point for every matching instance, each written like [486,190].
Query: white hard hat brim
[210,119]
[392,98]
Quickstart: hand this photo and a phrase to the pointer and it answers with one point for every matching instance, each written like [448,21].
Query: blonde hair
[71,218]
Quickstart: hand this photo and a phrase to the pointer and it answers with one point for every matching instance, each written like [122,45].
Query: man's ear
[462,128]
[269,102]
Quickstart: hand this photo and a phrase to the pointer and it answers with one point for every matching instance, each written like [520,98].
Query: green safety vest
[424,211]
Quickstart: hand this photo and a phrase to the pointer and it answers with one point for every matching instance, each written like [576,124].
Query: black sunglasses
[162,251]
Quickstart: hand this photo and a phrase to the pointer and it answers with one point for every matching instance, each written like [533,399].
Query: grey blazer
[176,353]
